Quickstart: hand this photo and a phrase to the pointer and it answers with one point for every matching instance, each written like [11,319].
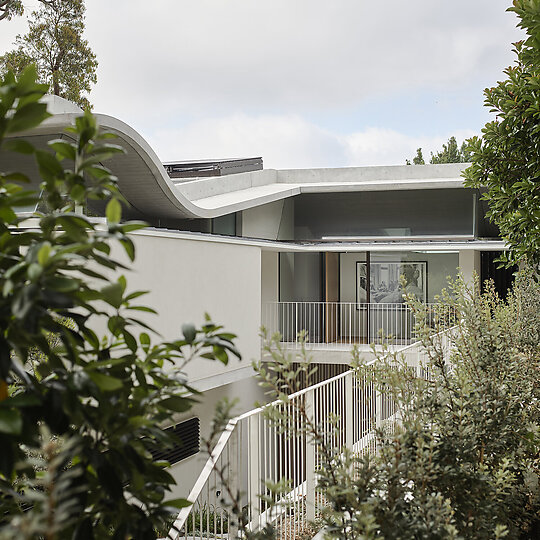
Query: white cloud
[287,79]
[282,141]
[191,57]
[9,31]
[209,57]
[291,142]
[377,146]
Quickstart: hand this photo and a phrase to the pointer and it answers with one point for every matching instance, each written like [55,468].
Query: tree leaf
[27,117]
[77,193]
[112,294]
[178,503]
[49,166]
[106,383]
[10,421]
[177,403]
[189,331]
[18,145]
[43,253]
[113,211]
[61,284]
[64,149]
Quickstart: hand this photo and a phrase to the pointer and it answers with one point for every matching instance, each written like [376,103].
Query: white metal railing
[338,324]
[254,449]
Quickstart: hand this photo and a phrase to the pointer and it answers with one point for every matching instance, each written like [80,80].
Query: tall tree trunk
[55,72]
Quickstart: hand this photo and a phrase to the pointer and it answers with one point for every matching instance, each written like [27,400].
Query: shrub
[463,460]
[77,427]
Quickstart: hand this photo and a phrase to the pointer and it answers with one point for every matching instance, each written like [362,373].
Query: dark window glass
[384,213]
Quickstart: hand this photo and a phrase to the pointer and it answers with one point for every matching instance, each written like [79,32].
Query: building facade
[321,250]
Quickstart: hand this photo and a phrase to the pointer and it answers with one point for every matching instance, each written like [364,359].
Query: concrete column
[263,221]
[270,316]
[331,296]
[469,264]
[269,276]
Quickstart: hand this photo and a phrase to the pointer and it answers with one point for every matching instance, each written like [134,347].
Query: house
[320,250]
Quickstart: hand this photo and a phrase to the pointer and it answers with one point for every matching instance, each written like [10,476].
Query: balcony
[341,325]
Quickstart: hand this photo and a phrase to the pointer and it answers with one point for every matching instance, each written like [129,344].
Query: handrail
[344,324]
[338,381]
[226,435]
[205,473]
[298,393]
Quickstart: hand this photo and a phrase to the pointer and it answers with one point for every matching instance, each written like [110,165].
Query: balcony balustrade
[344,324]
[254,449]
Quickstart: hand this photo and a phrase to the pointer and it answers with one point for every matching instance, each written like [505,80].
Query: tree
[418,159]
[55,44]
[10,8]
[451,153]
[78,429]
[506,158]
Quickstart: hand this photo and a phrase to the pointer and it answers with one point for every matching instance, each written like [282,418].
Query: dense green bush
[463,461]
[77,428]
[505,159]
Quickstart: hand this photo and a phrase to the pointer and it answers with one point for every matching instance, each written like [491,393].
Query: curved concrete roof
[145,183]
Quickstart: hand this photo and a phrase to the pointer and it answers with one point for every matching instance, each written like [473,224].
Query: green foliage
[418,159]
[466,457]
[450,153]
[505,159]
[51,494]
[463,461]
[55,44]
[207,520]
[10,9]
[78,427]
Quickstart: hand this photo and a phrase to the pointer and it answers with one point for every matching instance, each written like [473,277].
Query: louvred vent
[188,444]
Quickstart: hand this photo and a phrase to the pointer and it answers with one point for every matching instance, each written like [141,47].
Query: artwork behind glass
[384,281]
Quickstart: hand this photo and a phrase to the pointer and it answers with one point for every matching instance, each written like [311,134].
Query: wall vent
[188,444]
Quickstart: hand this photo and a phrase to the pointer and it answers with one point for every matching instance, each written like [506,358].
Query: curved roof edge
[144,182]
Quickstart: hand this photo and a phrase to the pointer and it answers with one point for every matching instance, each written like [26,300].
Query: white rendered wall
[469,264]
[188,278]
[262,221]
[269,276]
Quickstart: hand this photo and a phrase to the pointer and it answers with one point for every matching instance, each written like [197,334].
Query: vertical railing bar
[287,467]
[297,466]
[208,510]
[354,402]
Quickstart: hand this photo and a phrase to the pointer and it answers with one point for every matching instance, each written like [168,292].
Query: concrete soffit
[434,245]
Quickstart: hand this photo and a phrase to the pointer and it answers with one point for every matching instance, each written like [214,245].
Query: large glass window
[426,274]
[385,213]
[225,225]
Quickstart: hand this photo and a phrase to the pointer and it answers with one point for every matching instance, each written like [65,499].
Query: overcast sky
[302,83]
